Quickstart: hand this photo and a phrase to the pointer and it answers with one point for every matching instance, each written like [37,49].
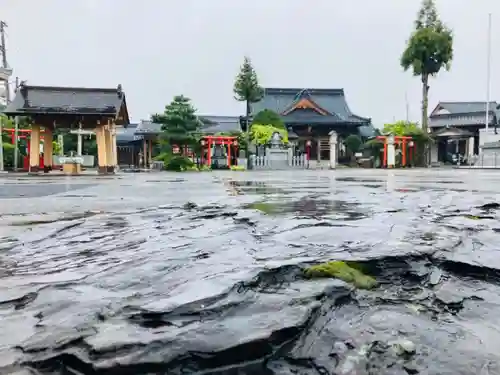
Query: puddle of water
[253,187]
[314,208]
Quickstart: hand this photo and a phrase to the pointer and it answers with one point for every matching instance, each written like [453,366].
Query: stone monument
[333,149]
[276,154]
[391,152]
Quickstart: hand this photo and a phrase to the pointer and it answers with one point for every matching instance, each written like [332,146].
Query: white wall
[488,136]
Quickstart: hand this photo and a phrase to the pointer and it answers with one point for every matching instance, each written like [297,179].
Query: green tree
[412,129]
[180,124]
[429,49]
[402,128]
[353,143]
[269,117]
[262,134]
[246,86]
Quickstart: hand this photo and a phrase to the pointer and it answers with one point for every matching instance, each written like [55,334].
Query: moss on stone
[346,271]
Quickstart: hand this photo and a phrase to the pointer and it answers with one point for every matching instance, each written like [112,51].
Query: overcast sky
[160,48]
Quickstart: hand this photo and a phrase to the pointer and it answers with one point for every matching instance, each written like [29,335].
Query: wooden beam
[305,104]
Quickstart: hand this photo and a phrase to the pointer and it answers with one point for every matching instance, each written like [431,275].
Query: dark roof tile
[452,108]
[127,135]
[331,100]
[31,100]
[148,127]
[221,124]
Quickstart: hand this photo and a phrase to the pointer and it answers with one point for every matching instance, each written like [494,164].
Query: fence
[485,160]
[268,162]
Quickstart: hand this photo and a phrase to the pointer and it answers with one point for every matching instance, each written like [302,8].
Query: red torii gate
[209,140]
[401,140]
[24,133]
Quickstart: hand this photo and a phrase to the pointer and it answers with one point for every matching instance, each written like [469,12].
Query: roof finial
[23,89]
[119,91]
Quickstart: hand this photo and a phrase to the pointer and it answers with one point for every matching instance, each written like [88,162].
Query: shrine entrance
[397,145]
[219,150]
[51,108]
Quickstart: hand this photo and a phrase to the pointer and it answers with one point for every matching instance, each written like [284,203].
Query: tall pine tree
[246,86]
[179,122]
[428,51]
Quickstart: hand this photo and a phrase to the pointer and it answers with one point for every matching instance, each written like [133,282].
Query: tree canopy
[262,134]
[429,49]
[402,128]
[246,85]
[353,143]
[179,122]
[269,117]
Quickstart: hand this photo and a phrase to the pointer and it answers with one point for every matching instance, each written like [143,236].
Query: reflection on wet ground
[203,274]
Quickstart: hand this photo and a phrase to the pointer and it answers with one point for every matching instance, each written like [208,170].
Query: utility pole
[3,49]
[5,65]
[488,75]
[16,134]
[407,108]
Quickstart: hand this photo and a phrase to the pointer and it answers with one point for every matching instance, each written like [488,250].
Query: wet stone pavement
[202,273]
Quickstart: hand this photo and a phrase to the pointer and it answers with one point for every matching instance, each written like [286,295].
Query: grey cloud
[159,48]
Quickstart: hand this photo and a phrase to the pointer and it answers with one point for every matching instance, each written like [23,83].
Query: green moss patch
[350,272]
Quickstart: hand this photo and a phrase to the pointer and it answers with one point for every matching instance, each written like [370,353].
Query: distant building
[456,125]
[221,124]
[312,114]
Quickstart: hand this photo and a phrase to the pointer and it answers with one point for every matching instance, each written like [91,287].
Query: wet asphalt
[202,273]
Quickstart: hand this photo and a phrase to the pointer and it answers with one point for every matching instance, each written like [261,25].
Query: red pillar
[403,152]
[228,153]
[385,154]
[209,152]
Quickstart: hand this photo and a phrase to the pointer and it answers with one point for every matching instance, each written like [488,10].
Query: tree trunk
[248,110]
[425,118]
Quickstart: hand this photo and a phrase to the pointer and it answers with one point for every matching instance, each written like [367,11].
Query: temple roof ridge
[295,91]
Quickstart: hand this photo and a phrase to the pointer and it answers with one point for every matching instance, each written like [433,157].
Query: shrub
[262,134]
[238,168]
[204,168]
[180,164]
[8,156]
[165,157]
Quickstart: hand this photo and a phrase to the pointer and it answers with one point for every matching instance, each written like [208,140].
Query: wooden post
[145,152]
[35,149]
[101,149]
[114,147]
[48,151]
[150,154]
[109,149]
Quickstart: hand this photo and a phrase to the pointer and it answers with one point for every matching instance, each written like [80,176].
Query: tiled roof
[367,131]
[50,100]
[464,107]
[331,100]
[127,135]
[148,127]
[221,124]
